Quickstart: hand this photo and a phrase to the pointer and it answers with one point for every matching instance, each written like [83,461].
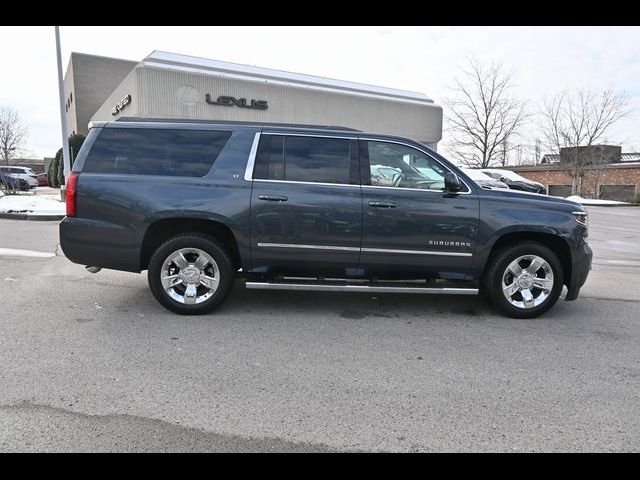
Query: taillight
[72,187]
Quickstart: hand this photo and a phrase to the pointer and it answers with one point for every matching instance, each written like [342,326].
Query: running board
[362,288]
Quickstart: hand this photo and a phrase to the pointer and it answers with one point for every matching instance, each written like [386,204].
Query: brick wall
[615,174]
[36,164]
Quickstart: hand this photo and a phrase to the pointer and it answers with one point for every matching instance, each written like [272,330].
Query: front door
[306,206]
[412,228]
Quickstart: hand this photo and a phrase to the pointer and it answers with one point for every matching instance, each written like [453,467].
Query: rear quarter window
[145,151]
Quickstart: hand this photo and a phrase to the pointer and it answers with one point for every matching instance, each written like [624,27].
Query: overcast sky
[544,60]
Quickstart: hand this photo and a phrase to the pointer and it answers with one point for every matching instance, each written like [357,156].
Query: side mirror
[503,179]
[452,183]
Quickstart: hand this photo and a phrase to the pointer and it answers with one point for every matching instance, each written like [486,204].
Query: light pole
[63,121]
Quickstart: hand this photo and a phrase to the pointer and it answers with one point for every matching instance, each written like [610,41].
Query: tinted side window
[303,159]
[270,158]
[312,159]
[143,151]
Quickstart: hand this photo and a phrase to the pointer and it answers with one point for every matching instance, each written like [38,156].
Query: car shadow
[343,305]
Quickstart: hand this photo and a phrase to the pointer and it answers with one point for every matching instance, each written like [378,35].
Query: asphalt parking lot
[93,363]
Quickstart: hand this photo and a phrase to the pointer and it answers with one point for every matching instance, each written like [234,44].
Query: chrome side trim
[360,288]
[248,172]
[307,183]
[416,252]
[364,250]
[310,247]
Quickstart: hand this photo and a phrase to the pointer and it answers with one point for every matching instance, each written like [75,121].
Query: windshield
[496,174]
[475,174]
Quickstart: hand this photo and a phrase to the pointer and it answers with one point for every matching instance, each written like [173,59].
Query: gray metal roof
[630,157]
[187,63]
[624,157]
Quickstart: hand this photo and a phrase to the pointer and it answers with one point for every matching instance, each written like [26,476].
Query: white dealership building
[168,85]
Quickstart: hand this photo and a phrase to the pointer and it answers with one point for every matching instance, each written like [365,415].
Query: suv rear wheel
[190,274]
[523,280]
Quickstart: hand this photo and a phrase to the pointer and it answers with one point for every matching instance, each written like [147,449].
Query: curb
[26,216]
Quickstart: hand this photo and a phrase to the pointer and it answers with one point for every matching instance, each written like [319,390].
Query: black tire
[201,242]
[498,263]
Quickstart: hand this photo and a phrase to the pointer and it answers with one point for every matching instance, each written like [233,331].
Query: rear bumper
[100,244]
[581,265]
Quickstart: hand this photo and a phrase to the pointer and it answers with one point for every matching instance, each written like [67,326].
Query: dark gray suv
[198,204]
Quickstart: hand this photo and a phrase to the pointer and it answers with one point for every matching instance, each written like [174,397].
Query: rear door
[412,228]
[306,205]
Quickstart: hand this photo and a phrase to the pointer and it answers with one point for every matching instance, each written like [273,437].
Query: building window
[71,98]
[618,192]
[559,190]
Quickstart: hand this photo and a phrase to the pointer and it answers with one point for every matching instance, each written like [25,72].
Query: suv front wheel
[190,274]
[524,280]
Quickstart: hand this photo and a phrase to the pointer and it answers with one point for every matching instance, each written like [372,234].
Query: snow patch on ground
[16,252]
[593,201]
[33,204]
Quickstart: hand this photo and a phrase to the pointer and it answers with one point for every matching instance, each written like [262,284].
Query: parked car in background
[12,183]
[24,173]
[483,180]
[515,181]
[43,180]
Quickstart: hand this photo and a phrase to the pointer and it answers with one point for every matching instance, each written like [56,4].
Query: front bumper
[581,265]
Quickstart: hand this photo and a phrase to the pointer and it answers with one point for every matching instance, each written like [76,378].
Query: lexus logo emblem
[226,101]
[121,104]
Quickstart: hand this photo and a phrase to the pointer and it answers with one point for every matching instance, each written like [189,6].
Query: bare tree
[483,115]
[13,135]
[583,119]
[504,147]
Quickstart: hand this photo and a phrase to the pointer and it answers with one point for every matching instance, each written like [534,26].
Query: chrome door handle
[382,204]
[273,198]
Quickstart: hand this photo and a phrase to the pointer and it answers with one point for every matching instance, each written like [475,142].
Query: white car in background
[515,181]
[483,180]
[24,173]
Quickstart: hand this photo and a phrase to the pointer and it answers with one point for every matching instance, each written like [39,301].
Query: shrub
[56,169]
[9,185]
[52,173]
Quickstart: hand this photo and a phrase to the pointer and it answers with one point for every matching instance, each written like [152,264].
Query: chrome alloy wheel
[190,276]
[527,282]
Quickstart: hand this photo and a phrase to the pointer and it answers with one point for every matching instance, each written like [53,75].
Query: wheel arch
[162,229]
[555,242]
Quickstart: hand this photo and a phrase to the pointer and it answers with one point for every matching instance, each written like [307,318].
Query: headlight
[583,219]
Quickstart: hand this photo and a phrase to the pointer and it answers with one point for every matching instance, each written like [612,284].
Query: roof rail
[233,122]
